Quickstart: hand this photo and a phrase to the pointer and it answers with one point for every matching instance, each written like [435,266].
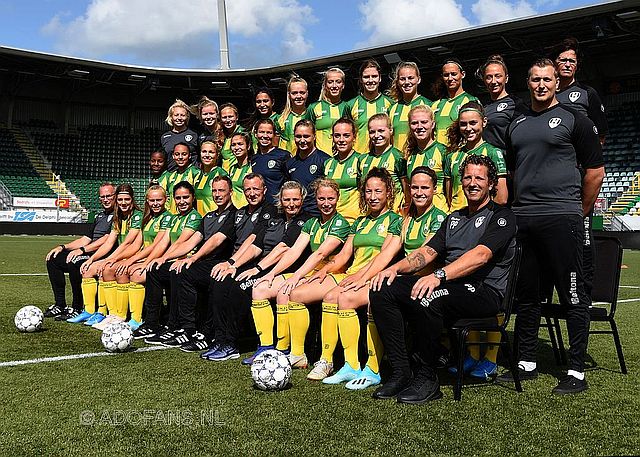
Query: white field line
[23,274]
[16,363]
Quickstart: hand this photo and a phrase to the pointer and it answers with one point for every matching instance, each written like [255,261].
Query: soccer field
[166,402]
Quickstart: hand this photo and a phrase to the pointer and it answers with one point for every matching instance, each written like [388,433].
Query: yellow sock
[136,300]
[349,328]
[474,349]
[493,343]
[122,300]
[110,296]
[282,331]
[89,290]
[329,330]
[263,320]
[374,345]
[102,302]
[298,326]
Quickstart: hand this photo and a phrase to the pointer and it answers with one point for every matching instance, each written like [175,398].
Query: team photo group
[390,215]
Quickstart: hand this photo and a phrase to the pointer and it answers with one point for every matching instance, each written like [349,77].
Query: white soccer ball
[271,370]
[29,319]
[117,337]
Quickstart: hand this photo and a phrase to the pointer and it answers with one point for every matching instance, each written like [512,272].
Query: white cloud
[164,32]
[488,11]
[390,21]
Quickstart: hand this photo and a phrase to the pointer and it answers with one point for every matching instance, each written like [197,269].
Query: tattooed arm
[416,261]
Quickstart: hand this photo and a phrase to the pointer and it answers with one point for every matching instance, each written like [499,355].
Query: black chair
[606,280]
[498,323]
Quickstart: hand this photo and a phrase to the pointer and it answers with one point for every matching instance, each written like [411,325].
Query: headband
[464,110]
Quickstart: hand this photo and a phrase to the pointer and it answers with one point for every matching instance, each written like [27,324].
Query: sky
[184,33]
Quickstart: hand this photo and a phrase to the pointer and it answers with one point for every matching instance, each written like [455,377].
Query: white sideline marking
[627,300]
[16,363]
[23,274]
[630,287]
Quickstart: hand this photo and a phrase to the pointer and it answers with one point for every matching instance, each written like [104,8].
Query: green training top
[416,230]
[336,227]
[446,111]
[156,224]
[360,110]
[133,222]
[394,162]
[346,174]
[286,126]
[204,198]
[324,114]
[432,157]
[228,158]
[189,175]
[369,234]
[399,114]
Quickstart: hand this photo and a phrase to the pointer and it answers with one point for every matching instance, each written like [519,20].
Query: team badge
[266,216]
[432,163]
[501,107]
[425,230]
[192,217]
[384,165]
[313,168]
[574,96]
[479,221]
[351,172]
[338,223]
[381,229]
[554,122]
[502,222]
[453,222]
[188,137]
[440,218]
[300,223]
[271,163]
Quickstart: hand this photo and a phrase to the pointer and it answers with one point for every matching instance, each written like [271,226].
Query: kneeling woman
[324,235]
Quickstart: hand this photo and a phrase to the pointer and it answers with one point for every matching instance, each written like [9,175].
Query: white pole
[224,42]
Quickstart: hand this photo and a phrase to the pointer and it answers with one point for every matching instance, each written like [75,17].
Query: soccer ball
[271,370]
[117,337]
[29,319]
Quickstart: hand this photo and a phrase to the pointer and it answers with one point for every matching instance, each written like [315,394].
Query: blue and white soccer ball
[29,319]
[271,370]
[117,337]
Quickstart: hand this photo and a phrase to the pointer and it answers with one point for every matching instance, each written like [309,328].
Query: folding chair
[497,323]
[606,280]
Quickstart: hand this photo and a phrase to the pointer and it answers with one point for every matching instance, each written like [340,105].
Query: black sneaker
[68,313]
[392,387]
[53,311]
[570,385]
[196,343]
[160,338]
[178,339]
[522,374]
[145,331]
[424,387]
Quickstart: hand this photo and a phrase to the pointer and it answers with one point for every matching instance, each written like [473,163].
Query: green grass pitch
[170,403]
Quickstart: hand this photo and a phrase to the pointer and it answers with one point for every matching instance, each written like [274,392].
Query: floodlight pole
[224,41]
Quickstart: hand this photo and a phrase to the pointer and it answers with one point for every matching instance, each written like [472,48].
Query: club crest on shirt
[381,229]
[338,223]
[453,222]
[266,216]
[352,172]
[313,168]
[501,107]
[188,137]
[432,163]
[502,222]
[554,122]
[271,163]
[574,96]
[300,223]
[479,221]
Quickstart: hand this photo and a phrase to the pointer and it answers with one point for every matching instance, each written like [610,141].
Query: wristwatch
[440,274]
[231,261]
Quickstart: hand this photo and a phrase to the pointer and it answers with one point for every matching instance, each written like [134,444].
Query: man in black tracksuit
[477,246]
[546,148]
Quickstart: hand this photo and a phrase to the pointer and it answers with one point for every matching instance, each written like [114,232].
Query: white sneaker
[111,319]
[298,361]
[321,369]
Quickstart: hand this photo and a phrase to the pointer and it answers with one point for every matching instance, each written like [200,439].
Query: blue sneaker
[212,349]
[224,352]
[95,318]
[134,324]
[366,379]
[249,360]
[468,365]
[485,370]
[83,316]
[344,374]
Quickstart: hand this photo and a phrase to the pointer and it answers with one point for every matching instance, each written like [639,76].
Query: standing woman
[503,107]
[329,107]
[178,119]
[184,171]
[370,101]
[230,126]
[208,114]
[422,150]
[264,109]
[270,162]
[383,155]
[209,169]
[404,90]
[344,168]
[242,150]
[447,108]
[465,138]
[295,109]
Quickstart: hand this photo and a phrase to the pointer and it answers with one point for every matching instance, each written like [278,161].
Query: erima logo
[554,122]
[254,217]
[520,120]
[501,107]
[188,137]
[454,222]
[221,218]
[313,168]
[574,96]
[595,129]
[291,170]
[479,221]
[271,163]
[109,217]
[602,108]
[238,218]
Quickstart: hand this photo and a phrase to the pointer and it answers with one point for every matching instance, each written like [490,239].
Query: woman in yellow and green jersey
[465,138]
[295,109]
[404,90]
[383,154]
[264,109]
[371,236]
[323,235]
[329,108]
[242,151]
[447,108]
[209,169]
[370,101]
[423,150]
[126,234]
[184,172]
[229,118]
[344,168]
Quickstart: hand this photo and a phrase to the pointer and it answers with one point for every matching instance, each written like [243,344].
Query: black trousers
[56,268]
[426,317]
[552,248]
[157,281]
[191,282]
[588,256]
